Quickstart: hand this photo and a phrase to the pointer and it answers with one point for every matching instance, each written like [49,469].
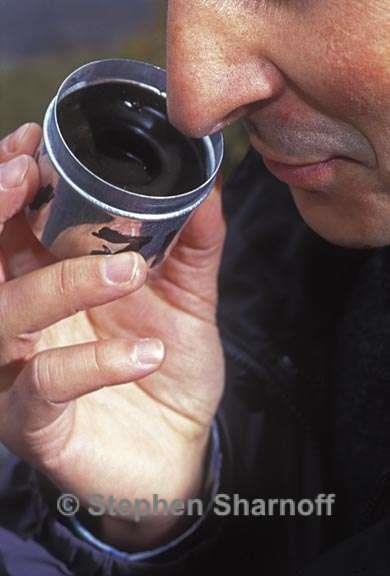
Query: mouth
[311,160]
[312,174]
[316,175]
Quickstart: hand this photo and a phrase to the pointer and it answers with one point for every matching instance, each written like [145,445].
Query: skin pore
[311,80]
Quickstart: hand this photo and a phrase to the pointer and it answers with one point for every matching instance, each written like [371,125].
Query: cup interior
[112,116]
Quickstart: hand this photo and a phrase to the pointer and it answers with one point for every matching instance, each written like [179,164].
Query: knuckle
[4,311]
[39,377]
[64,277]
[19,348]
[27,159]
[66,284]
[102,353]
[108,358]
[98,357]
[6,144]
[32,179]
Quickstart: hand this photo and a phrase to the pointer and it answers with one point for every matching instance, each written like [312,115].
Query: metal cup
[77,213]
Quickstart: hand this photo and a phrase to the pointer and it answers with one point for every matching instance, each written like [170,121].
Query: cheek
[357,91]
[340,61]
[341,65]
[354,84]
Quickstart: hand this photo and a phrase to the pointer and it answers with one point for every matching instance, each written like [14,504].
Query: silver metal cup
[77,213]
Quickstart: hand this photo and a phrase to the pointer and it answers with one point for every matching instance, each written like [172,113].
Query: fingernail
[12,173]
[120,268]
[149,351]
[20,133]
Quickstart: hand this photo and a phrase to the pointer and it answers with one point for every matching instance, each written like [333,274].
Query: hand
[110,374]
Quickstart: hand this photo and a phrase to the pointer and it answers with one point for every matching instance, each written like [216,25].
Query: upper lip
[298,163]
[301,161]
[288,161]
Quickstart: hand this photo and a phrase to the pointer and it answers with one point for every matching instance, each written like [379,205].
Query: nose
[213,77]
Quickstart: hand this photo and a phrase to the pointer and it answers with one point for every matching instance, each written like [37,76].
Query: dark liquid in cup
[120,131]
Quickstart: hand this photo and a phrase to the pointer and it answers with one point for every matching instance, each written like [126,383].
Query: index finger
[24,140]
[19,180]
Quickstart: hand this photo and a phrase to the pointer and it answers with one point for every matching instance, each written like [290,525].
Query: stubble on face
[312,81]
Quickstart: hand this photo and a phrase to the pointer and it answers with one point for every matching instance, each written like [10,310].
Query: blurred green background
[42,41]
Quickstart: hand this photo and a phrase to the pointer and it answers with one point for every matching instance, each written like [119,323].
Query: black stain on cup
[104,250]
[43,196]
[133,243]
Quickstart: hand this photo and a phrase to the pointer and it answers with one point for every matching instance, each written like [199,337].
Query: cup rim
[207,140]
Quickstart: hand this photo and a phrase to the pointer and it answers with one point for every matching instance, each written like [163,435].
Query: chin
[358,223]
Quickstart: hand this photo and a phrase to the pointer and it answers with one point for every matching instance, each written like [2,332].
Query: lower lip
[306,176]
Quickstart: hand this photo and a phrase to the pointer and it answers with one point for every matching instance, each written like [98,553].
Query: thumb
[193,264]
[201,241]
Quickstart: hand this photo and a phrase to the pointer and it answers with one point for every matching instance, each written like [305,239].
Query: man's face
[311,79]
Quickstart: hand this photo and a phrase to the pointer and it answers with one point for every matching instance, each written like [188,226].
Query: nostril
[232,117]
[238,114]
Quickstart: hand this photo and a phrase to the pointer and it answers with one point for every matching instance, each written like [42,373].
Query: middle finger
[47,295]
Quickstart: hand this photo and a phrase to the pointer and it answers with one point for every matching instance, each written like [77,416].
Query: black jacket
[306,327]
[306,332]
